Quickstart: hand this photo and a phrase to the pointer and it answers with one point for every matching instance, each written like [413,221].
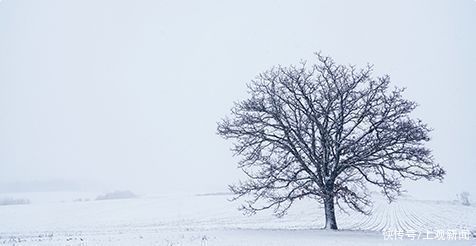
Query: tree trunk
[330,213]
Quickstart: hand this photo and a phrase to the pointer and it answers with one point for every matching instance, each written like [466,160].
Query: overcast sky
[126,94]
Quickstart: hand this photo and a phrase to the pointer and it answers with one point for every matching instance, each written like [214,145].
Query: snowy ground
[56,219]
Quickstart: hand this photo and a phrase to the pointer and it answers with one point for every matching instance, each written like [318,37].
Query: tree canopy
[325,131]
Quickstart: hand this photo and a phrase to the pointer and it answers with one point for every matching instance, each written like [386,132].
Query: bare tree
[325,131]
[463,197]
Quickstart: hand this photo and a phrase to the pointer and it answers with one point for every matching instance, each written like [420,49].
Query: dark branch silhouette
[325,131]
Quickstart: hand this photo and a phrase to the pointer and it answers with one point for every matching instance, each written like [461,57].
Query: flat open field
[56,219]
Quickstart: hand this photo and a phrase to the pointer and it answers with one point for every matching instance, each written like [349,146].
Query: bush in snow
[463,197]
[117,195]
[13,201]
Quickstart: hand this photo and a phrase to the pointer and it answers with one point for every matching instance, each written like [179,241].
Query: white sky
[126,94]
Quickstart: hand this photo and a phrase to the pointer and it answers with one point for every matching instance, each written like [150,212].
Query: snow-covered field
[61,219]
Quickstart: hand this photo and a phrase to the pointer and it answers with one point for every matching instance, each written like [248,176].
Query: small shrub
[13,201]
[117,195]
[463,197]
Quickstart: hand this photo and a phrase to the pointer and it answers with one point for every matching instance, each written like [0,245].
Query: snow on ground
[61,219]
